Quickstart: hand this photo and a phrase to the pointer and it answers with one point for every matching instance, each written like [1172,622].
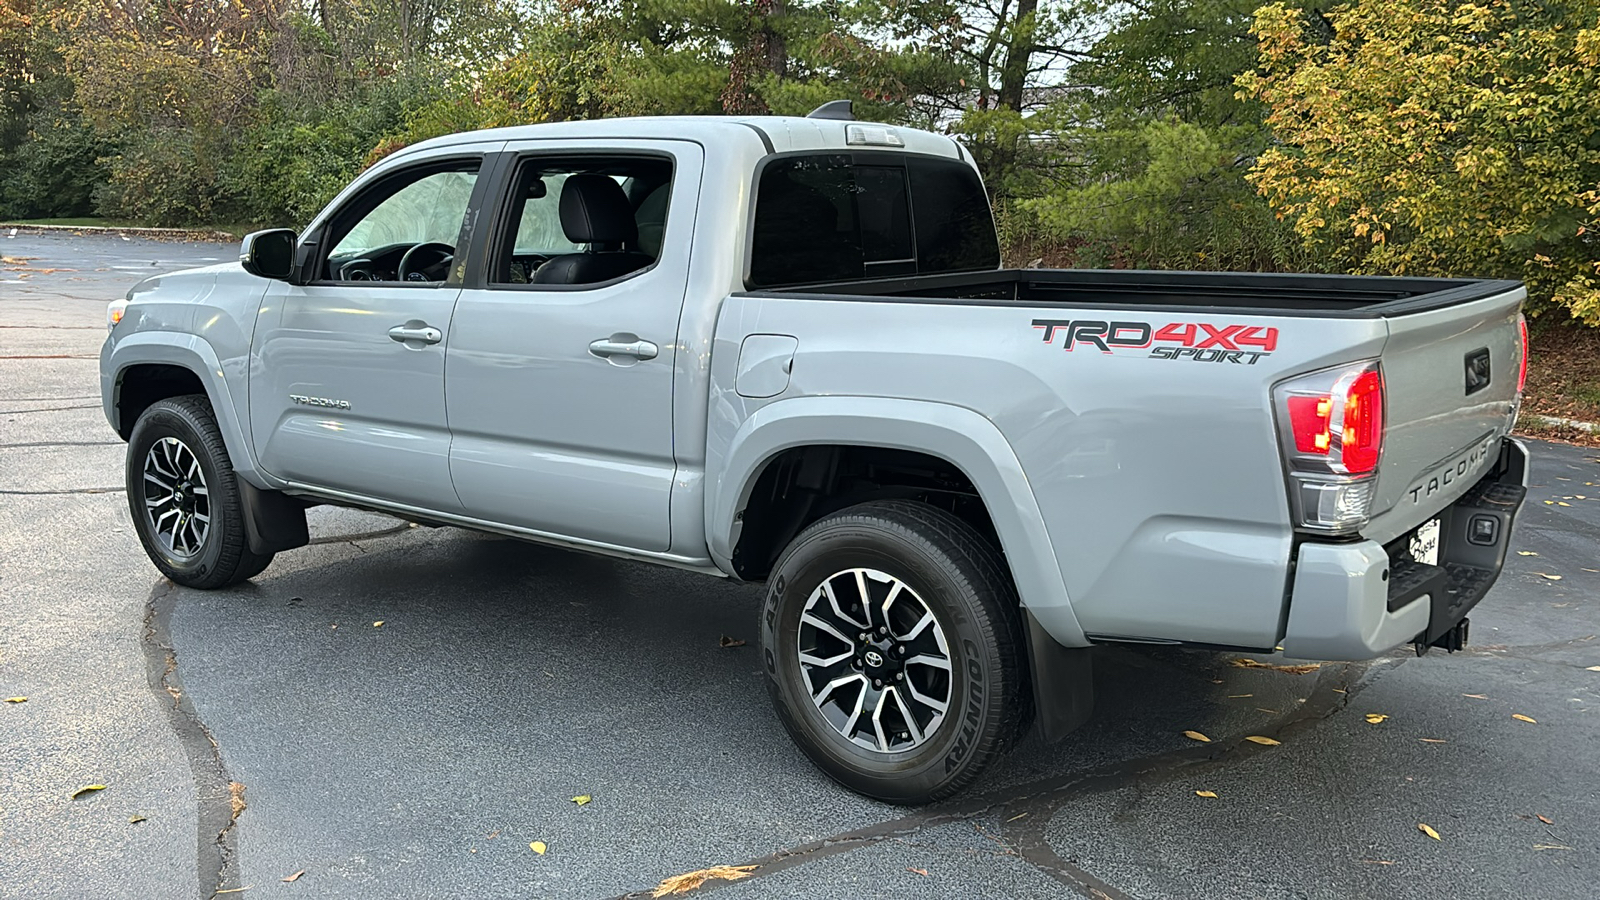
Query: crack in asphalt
[48,399]
[216,850]
[1040,800]
[53,356]
[13,412]
[29,444]
[89,490]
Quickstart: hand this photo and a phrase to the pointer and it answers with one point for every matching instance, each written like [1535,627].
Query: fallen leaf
[16,699]
[1522,718]
[1593,669]
[1526,553]
[87,789]
[1548,575]
[236,798]
[1247,663]
[1543,819]
[538,847]
[730,642]
[1379,862]
[1428,830]
[582,799]
[294,877]
[1211,794]
[135,819]
[1017,816]
[378,624]
[1477,696]
[922,872]
[1263,741]
[1551,847]
[1563,503]
[688,881]
[1375,718]
[235,890]
[1432,741]
[1197,736]
[1239,696]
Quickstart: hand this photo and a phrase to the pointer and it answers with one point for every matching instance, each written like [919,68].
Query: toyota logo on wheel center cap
[873,658]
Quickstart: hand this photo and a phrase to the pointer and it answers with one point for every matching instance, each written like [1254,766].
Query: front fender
[194,354]
[957,435]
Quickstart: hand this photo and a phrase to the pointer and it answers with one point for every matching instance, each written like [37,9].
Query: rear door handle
[623,346]
[416,331]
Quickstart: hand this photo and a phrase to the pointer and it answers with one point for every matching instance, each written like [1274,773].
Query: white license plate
[1425,543]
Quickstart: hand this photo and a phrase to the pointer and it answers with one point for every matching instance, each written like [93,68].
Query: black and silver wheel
[184,501]
[892,649]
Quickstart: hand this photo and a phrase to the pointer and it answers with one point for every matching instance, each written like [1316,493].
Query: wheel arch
[961,438]
[148,367]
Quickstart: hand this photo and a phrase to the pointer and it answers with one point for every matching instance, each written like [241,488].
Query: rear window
[844,217]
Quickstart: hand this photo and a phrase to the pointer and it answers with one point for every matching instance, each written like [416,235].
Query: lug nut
[878,683]
[899,676]
[855,663]
[865,636]
[882,630]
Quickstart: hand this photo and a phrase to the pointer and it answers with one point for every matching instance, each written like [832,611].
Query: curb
[12,229]
[1557,422]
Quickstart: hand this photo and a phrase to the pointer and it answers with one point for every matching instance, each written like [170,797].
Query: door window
[405,229]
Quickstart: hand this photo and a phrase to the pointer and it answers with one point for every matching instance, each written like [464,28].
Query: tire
[178,474]
[944,568]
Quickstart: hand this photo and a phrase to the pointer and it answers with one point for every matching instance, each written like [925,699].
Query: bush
[54,173]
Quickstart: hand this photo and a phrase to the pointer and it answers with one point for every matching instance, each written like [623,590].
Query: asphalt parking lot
[278,728]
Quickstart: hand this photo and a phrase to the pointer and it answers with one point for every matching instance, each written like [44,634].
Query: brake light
[1522,367]
[1331,424]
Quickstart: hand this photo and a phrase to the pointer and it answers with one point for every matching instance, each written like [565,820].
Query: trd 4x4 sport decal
[1194,341]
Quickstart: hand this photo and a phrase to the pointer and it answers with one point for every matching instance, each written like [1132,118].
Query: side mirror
[269,254]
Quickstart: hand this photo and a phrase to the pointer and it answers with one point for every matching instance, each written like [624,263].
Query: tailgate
[1443,417]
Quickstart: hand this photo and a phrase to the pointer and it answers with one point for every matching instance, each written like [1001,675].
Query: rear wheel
[183,498]
[892,646]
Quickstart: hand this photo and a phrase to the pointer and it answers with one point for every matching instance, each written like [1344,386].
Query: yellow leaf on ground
[294,877]
[582,799]
[1526,553]
[16,699]
[922,872]
[1593,669]
[1544,820]
[1522,718]
[1263,741]
[538,847]
[378,624]
[87,789]
[1428,830]
[1563,503]
[1375,718]
[1245,662]
[1211,794]
[1432,741]
[1551,847]
[1477,696]
[1548,575]
[1239,696]
[688,881]
[135,819]
[1197,736]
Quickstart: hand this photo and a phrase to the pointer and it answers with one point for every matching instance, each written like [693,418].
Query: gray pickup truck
[783,350]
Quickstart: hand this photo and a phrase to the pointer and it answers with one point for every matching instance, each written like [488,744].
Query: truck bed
[1339,296]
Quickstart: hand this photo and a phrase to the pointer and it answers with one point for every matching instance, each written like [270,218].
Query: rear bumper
[1359,599]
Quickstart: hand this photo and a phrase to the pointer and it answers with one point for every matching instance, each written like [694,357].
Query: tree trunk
[777,47]
[1014,74]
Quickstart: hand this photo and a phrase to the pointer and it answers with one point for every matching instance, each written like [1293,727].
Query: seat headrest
[594,210]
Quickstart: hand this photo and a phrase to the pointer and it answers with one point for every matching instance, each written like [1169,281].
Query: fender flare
[189,352]
[955,434]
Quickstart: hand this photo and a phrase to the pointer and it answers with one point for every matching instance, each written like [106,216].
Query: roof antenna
[834,109]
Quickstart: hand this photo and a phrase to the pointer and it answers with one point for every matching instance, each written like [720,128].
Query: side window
[405,229]
[582,220]
[837,217]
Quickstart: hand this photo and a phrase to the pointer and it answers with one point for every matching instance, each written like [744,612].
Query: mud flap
[273,521]
[1063,683]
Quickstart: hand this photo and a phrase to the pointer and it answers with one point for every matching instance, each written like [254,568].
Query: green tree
[1441,137]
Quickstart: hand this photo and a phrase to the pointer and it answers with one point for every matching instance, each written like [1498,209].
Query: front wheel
[183,498]
[892,646]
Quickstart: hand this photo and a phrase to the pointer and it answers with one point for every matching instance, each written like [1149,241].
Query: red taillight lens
[1522,369]
[1363,423]
[1308,420]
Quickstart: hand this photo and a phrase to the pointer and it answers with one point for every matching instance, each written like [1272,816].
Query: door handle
[625,346]
[416,331]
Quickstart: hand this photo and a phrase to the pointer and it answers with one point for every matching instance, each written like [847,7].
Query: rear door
[1451,380]
[560,394]
[348,394]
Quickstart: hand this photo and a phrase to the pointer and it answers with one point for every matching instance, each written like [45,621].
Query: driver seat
[594,211]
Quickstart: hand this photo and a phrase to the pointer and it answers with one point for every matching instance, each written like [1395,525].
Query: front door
[348,394]
[560,366]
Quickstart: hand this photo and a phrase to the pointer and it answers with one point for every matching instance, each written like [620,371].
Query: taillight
[1522,367]
[1331,424]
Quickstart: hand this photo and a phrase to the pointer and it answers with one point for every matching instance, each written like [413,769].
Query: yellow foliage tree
[1440,137]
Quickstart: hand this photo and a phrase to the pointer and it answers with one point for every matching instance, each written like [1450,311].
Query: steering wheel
[443,251]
